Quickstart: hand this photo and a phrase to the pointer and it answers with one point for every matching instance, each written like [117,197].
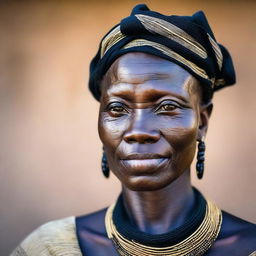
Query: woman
[154,76]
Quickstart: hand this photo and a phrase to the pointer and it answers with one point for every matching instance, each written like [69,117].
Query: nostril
[142,138]
[130,140]
[150,141]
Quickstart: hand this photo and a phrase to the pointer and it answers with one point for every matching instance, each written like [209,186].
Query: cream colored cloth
[55,238]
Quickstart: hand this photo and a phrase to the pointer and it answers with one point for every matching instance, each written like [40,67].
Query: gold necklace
[194,245]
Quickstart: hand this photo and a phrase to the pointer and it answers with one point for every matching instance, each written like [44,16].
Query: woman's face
[149,120]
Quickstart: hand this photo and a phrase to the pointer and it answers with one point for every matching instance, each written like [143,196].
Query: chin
[148,183]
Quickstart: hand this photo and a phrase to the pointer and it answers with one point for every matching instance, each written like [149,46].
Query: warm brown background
[49,148]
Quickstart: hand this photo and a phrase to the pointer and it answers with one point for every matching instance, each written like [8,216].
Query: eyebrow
[151,95]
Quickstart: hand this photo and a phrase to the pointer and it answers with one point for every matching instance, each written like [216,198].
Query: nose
[142,129]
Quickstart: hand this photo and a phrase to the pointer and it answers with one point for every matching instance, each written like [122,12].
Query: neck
[160,211]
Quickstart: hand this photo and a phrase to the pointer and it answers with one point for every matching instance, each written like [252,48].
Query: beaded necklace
[193,238]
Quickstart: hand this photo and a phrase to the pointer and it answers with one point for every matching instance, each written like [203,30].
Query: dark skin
[151,116]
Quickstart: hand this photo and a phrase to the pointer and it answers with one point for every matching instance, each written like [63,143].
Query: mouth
[144,163]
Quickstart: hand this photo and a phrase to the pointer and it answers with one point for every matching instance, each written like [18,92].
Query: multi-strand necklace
[193,238]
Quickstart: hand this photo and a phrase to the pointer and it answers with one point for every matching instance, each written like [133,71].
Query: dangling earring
[200,159]
[104,165]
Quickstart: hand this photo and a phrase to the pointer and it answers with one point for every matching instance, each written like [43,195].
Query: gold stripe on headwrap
[167,29]
[111,39]
[167,51]
[217,51]
[219,82]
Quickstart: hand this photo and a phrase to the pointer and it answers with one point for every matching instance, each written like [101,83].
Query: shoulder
[92,235]
[237,237]
[233,225]
[51,238]
[92,223]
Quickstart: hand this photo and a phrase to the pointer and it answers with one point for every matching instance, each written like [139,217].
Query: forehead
[141,72]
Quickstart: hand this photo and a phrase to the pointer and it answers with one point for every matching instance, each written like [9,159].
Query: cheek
[182,136]
[181,131]
[111,130]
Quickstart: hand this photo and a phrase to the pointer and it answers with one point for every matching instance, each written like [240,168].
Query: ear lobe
[205,113]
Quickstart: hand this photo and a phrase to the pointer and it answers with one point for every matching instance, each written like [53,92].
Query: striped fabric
[56,238]
[187,41]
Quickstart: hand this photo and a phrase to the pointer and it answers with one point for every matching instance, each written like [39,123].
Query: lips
[144,163]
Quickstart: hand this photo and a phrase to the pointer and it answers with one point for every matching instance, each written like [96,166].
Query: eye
[117,109]
[167,106]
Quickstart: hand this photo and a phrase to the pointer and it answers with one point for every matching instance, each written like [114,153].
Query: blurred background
[50,152]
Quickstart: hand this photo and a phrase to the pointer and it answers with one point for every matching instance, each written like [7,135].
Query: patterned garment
[56,238]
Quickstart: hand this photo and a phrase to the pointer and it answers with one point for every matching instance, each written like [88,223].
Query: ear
[205,113]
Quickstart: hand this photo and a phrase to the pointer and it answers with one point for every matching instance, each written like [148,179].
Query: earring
[200,159]
[104,165]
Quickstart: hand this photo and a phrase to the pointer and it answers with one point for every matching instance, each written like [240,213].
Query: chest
[101,246]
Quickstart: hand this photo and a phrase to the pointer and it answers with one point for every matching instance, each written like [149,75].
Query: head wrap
[185,40]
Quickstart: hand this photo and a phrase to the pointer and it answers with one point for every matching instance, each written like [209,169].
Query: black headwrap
[185,40]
